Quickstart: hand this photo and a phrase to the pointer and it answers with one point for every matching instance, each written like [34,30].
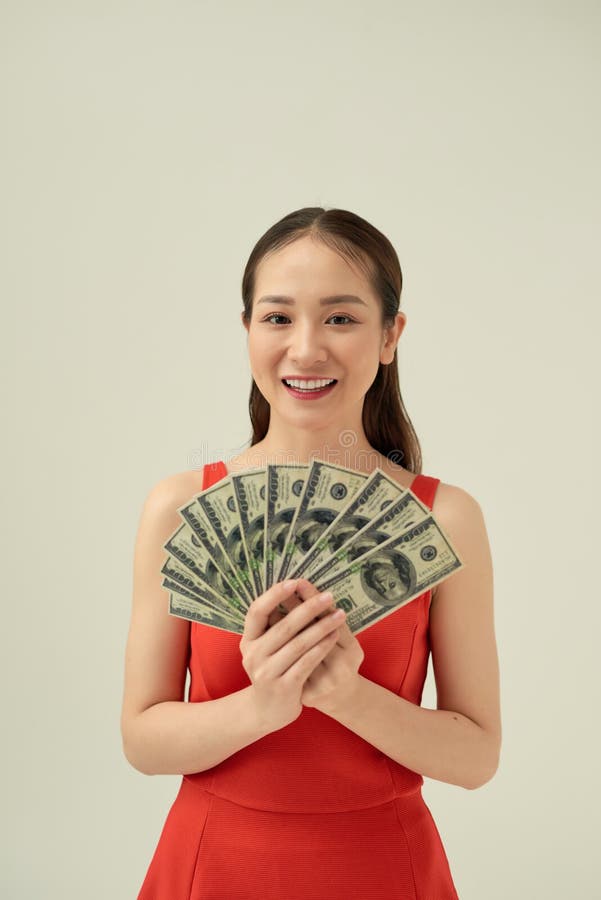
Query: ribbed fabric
[311,811]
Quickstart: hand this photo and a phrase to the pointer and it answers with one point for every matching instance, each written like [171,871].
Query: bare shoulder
[189,480]
[461,518]
[455,506]
[159,519]
[174,489]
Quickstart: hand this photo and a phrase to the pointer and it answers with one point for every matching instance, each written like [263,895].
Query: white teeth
[309,385]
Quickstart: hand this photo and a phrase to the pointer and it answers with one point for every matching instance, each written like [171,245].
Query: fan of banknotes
[365,538]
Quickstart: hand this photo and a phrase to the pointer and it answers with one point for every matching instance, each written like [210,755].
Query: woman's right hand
[278,658]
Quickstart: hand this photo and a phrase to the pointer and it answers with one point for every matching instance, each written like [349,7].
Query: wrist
[261,722]
[345,699]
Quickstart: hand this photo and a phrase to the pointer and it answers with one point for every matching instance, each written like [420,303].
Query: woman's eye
[342,316]
[274,316]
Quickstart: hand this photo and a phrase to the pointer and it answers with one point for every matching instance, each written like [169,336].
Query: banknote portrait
[235,549]
[314,523]
[346,530]
[387,579]
[255,539]
[278,530]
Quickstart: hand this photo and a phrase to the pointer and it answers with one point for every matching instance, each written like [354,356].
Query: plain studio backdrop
[145,147]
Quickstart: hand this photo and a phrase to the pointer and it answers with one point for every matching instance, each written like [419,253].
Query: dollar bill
[396,518]
[377,492]
[327,490]
[185,546]
[219,503]
[229,623]
[193,513]
[179,578]
[184,608]
[392,574]
[249,491]
[285,485]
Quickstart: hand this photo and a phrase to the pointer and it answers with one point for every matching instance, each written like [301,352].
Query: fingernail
[288,585]
[327,597]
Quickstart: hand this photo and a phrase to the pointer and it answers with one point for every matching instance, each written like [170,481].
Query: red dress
[311,811]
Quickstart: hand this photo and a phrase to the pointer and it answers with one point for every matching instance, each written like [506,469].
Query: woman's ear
[391,337]
[244,322]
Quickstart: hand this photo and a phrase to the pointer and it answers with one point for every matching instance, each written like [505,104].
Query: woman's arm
[162,733]
[460,741]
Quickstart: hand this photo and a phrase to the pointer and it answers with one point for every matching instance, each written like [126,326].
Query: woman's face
[304,337]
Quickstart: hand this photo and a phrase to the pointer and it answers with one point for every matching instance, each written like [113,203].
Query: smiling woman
[303,747]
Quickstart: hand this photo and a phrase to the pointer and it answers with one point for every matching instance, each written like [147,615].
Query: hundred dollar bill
[219,504]
[393,573]
[179,578]
[327,490]
[284,488]
[229,623]
[249,491]
[193,513]
[185,546]
[378,491]
[394,519]
[184,608]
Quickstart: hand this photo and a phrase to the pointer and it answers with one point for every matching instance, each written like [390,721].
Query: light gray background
[145,148]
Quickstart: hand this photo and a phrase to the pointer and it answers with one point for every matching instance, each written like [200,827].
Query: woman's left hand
[333,682]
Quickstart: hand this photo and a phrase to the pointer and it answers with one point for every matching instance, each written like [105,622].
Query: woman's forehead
[303,262]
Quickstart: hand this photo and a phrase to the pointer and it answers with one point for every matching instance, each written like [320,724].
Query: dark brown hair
[387,426]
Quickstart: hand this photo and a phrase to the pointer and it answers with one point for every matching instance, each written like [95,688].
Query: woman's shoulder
[170,492]
[450,500]
[461,518]
[454,504]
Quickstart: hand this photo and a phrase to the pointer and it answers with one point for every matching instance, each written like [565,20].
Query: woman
[303,747]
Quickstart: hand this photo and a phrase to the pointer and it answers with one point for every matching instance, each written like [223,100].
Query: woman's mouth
[309,389]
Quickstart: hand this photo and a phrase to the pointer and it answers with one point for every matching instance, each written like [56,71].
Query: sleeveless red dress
[311,811]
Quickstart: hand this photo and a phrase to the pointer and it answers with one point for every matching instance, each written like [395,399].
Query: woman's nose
[307,345]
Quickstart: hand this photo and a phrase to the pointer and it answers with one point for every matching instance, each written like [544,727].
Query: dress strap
[212,473]
[424,488]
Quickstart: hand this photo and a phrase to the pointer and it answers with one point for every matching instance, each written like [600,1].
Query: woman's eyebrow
[325,301]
